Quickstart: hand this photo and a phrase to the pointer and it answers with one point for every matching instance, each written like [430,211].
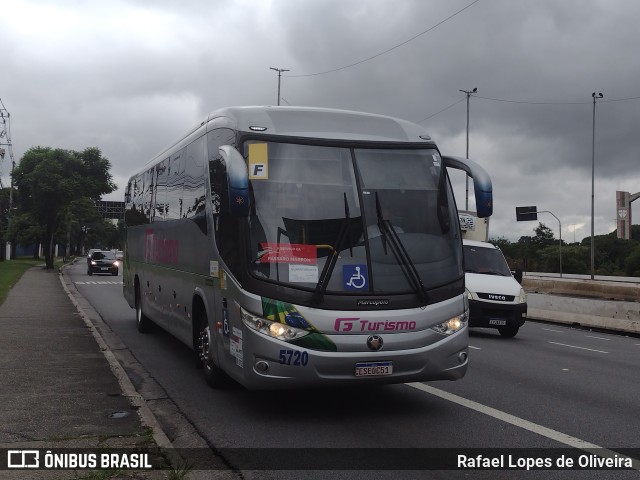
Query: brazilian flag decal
[284,312]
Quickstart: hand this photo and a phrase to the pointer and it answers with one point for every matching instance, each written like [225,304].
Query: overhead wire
[387,50]
[526,102]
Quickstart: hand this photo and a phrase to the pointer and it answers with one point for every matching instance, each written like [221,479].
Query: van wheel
[144,323]
[508,331]
[213,375]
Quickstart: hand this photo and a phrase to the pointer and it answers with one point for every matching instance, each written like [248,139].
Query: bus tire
[508,331]
[213,375]
[144,323]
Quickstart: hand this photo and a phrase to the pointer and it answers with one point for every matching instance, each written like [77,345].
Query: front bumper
[446,359]
[494,315]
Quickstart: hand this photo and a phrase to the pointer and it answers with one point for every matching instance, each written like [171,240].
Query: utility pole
[279,70]
[466,197]
[5,136]
[593,169]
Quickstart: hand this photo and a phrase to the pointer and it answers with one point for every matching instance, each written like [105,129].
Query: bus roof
[321,123]
[307,122]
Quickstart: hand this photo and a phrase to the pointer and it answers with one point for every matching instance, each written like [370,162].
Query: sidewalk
[57,389]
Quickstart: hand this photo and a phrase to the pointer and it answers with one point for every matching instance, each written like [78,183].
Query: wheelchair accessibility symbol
[355,277]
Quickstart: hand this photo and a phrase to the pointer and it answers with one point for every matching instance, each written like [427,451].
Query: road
[550,387]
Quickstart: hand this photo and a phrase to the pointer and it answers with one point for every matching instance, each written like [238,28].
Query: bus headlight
[523,296]
[452,325]
[277,330]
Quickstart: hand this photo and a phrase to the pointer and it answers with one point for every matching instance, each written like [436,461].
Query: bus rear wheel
[144,323]
[213,375]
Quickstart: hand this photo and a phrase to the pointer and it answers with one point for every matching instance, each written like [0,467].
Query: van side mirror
[517,274]
[237,180]
[481,183]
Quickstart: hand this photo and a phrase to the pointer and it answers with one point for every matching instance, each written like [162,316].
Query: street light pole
[560,233]
[593,169]
[466,197]
[279,70]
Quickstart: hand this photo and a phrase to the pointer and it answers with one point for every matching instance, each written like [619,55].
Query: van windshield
[487,261]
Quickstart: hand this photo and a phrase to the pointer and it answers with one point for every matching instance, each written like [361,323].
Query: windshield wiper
[402,256]
[330,263]
[442,208]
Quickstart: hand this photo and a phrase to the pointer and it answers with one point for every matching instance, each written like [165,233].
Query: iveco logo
[374,342]
[497,297]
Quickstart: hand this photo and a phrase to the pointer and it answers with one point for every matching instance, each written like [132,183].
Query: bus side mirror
[237,181]
[481,183]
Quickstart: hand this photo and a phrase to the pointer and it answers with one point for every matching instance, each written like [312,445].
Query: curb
[147,418]
[137,400]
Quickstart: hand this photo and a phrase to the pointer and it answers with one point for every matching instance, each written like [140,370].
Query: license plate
[373,369]
[104,268]
[495,321]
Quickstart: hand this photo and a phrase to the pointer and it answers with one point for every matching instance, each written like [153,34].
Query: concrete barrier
[596,304]
[605,290]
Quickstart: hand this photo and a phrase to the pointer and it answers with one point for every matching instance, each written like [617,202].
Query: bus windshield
[356,220]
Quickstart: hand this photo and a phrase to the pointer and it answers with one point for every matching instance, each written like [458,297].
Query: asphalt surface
[60,388]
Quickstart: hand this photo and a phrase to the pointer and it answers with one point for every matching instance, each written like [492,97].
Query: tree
[50,180]
[544,236]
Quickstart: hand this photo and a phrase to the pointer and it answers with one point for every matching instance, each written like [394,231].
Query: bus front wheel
[213,375]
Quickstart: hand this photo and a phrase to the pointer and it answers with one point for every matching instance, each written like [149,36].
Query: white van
[496,299]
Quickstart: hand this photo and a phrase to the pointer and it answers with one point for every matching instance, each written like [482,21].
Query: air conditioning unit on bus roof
[472,227]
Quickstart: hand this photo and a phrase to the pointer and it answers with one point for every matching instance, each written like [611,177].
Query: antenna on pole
[279,70]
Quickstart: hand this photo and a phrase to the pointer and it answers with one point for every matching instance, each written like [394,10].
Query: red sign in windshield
[288,253]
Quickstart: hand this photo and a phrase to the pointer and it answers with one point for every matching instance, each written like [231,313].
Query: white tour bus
[296,247]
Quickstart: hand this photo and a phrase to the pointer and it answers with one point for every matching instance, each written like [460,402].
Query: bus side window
[161,190]
[134,214]
[194,192]
[175,180]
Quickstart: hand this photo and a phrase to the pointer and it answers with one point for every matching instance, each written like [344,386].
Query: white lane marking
[552,330]
[549,433]
[475,348]
[598,338]
[99,282]
[581,348]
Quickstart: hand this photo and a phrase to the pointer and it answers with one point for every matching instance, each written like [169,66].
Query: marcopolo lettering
[357,324]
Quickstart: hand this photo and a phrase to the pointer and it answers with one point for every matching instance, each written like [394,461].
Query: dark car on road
[103,262]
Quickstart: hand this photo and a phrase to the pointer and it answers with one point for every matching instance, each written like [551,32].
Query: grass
[12,270]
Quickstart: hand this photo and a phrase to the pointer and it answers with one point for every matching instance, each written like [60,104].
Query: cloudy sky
[131,76]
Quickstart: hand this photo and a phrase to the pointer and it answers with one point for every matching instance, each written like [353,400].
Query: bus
[303,247]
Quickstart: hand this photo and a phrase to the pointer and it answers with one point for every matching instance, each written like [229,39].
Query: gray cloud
[131,76]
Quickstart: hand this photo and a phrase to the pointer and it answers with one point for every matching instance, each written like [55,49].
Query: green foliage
[55,187]
[632,262]
[10,273]
[540,253]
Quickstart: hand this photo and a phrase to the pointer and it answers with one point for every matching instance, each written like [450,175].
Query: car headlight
[277,330]
[93,262]
[523,296]
[116,263]
[452,325]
